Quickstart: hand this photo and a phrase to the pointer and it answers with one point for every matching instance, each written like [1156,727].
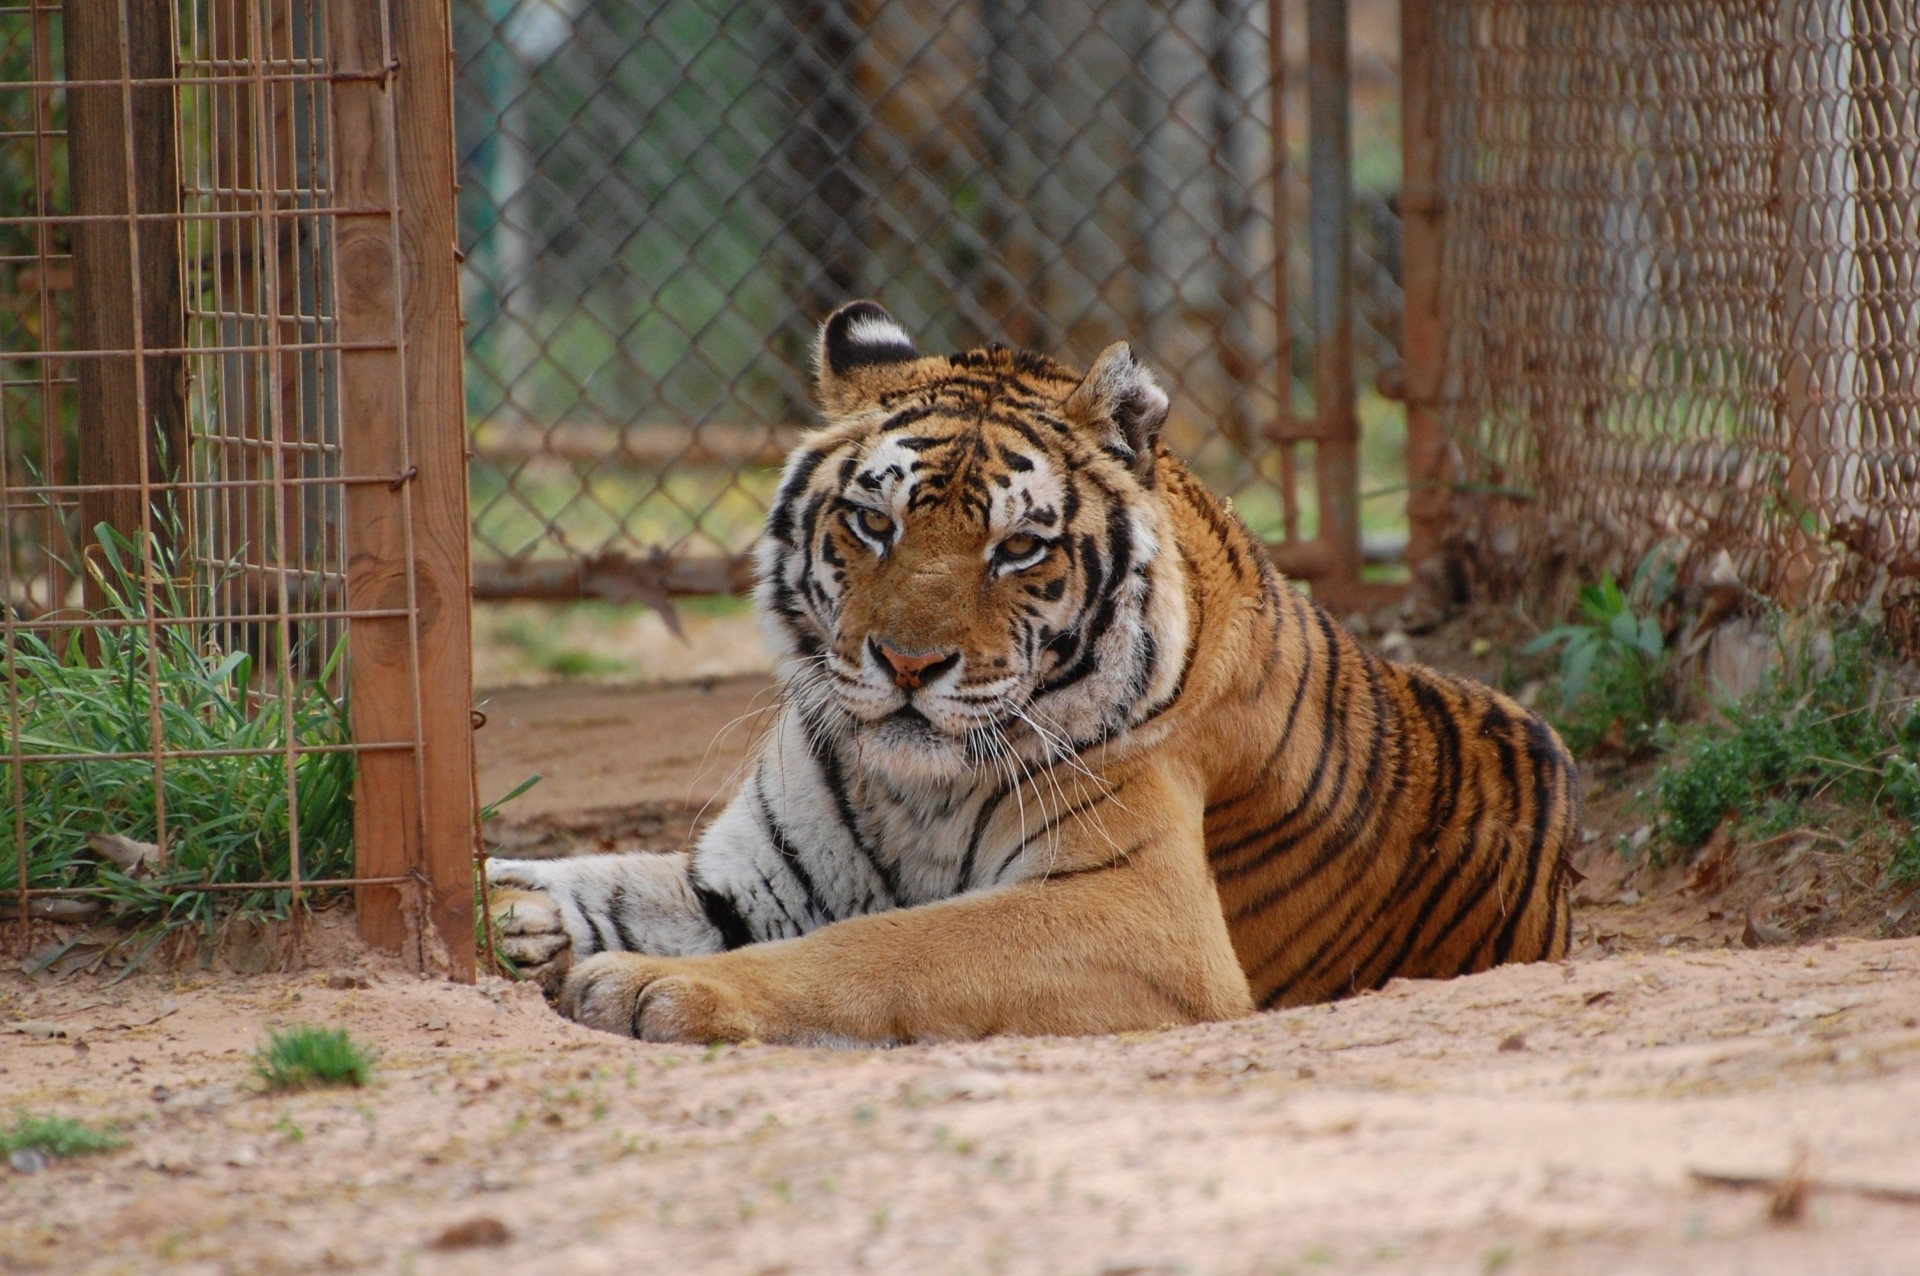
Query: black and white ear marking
[1121,399]
[861,333]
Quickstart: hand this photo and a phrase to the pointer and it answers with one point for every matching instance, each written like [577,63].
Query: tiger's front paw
[528,931]
[655,999]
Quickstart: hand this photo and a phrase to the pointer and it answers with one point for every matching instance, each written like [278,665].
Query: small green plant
[308,1057]
[492,809]
[88,720]
[1820,726]
[57,1136]
[1613,661]
[483,932]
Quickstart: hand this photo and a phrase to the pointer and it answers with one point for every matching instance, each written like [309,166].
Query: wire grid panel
[1679,287]
[178,552]
[660,200]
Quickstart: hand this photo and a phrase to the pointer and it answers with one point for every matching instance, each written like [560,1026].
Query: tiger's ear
[1122,403]
[856,342]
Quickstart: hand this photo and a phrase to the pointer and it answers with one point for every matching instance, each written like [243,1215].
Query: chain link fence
[660,200]
[1678,300]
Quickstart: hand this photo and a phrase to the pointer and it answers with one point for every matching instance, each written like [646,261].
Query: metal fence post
[1330,218]
[1820,282]
[1422,239]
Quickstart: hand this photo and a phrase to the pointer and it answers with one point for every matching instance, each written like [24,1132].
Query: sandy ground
[1553,1118]
[1540,1119]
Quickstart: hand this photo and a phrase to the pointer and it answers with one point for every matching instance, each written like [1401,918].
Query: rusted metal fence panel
[233,552]
[659,200]
[1677,289]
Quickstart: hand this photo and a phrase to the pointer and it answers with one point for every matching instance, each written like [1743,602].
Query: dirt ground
[1669,1099]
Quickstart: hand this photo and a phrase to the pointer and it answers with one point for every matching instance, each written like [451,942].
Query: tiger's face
[968,567]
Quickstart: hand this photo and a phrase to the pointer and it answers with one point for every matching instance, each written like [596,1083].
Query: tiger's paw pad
[644,998]
[528,931]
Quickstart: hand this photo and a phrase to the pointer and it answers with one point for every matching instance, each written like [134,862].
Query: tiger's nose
[911,669]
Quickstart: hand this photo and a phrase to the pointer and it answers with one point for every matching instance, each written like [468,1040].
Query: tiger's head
[969,564]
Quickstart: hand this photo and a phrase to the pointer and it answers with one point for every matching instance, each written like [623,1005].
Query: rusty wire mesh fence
[1678,301]
[232,509]
[660,199]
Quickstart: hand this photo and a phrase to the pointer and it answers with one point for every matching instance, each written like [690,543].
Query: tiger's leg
[746,881]
[1132,939]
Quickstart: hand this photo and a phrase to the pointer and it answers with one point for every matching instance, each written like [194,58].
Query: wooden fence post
[132,408]
[403,419]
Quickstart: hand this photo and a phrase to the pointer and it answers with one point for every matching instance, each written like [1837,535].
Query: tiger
[1059,751]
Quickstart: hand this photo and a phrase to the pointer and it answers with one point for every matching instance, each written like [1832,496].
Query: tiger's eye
[1019,545]
[876,524]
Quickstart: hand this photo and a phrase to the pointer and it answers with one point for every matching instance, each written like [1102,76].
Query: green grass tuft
[57,1136]
[307,1057]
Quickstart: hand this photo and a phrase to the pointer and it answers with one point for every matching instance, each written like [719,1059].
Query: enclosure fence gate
[1667,299]
[660,200]
[234,629]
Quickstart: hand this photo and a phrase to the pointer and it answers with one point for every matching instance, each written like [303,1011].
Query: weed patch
[86,724]
[1827,724]
[57,1136]
[307,1057]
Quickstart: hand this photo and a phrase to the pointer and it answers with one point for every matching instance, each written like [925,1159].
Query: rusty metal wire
[659,200]
[171,367]
[1679,291]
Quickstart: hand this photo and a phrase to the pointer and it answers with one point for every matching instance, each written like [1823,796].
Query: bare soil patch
[620,767]
[1582,1117]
